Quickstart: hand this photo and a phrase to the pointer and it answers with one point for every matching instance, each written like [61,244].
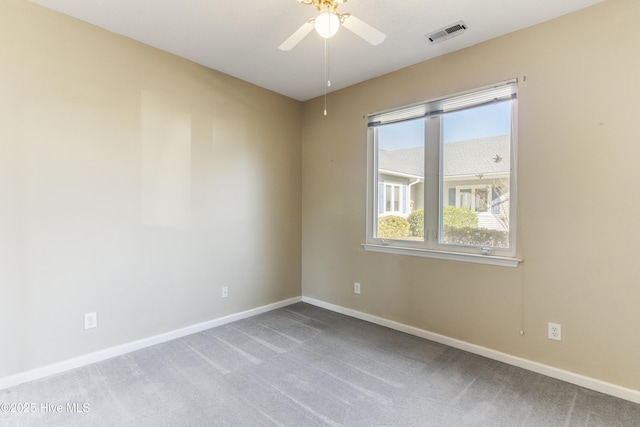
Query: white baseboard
[108,353]
[550,371]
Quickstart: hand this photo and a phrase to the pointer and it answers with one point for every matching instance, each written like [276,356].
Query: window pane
[401,176]
[480,202]
[396,198]
[465,198]
[476,153]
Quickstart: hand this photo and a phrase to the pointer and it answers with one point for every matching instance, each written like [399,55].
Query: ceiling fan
[328,23]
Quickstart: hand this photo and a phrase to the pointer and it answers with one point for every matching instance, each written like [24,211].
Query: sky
[467,124]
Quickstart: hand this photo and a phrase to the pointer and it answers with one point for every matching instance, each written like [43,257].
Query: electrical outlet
[555,332]
[356,288]
[225,291]
[90,320]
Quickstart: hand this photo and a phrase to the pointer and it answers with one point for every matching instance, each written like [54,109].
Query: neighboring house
[476,176]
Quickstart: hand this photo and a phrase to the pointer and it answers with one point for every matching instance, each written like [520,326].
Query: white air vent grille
[447,32]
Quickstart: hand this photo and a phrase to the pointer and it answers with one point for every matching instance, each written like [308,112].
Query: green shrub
[416,223]
[392,227]
[459,217]
[475,237]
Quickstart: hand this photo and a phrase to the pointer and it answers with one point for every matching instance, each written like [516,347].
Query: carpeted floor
[305,366]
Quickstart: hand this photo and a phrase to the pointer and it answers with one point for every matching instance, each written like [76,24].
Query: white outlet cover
[356,287]
[90,320]
[555,332]
[225,291]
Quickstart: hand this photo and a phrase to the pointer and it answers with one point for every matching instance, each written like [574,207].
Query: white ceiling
[241,38]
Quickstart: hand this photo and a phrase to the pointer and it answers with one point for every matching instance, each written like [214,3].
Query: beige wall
[579,145]
[135,184]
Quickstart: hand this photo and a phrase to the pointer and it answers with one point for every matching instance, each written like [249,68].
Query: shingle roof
[480,156]
[406,161]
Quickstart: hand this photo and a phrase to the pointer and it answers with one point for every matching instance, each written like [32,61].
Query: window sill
[449,256]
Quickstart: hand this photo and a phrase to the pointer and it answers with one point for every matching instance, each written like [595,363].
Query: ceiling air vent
[447,32]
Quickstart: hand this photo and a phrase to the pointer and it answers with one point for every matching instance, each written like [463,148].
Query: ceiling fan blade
[297,37]
[364,30]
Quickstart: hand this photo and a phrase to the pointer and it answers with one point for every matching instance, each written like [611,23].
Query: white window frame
[473,188]
[403,207]
[392,200]
[432,112]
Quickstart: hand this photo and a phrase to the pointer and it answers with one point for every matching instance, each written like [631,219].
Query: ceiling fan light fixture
[327,24]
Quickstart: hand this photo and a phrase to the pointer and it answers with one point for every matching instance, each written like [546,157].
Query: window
[473,197]
[393,199]
[442,174]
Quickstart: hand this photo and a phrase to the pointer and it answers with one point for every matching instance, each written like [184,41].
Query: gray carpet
[305,366]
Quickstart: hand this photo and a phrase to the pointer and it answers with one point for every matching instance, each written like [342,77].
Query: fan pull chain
[326,73]
[328,65]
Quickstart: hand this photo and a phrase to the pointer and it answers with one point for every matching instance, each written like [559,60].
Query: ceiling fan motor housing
[328,5]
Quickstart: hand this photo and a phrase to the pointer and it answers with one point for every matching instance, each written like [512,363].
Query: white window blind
[504,91]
